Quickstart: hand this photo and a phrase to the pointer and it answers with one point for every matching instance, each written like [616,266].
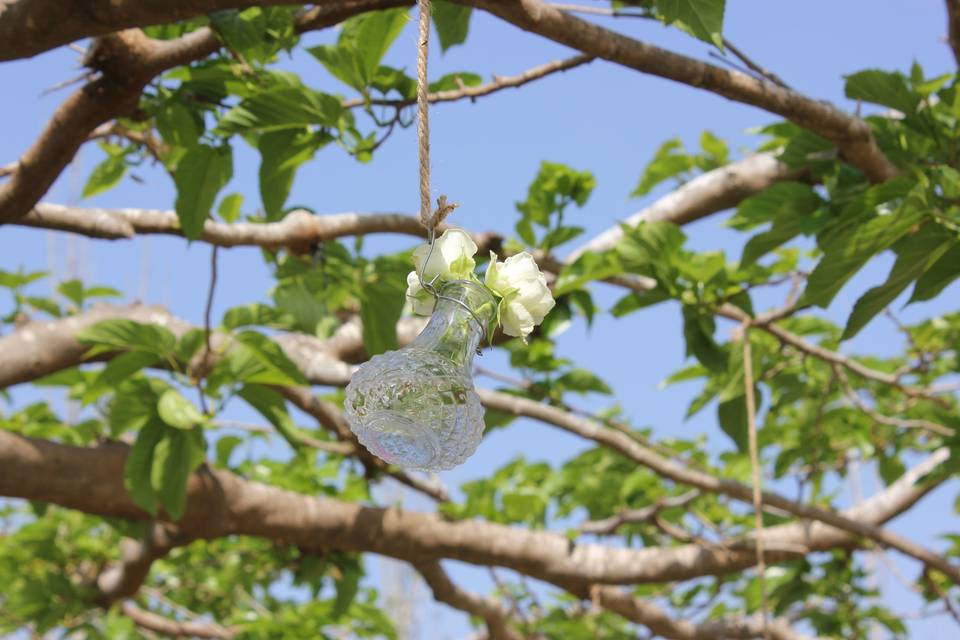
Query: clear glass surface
[416,407]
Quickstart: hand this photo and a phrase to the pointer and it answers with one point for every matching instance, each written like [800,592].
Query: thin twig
[757,476]
[338,447]
[609,526]
[499,83]
[900,423]
[753,66]
[765,323]
[945,597]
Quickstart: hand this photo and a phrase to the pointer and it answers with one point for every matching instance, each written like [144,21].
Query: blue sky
[598,117]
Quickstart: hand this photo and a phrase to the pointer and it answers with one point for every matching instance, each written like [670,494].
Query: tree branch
[29,27]
[609,526]
[220,503]
[124,578]
[660,623]
[304,351]
[126,61]
[298,231]
[672,470]
[175,628]
[706,194]
[953,27]
[852,135]
[446,591]
[766,323]
[499,83]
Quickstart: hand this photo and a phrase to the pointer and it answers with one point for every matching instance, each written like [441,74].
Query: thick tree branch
[953,27]
[706,194]
[304,351]
[298,231]
[852,135]
[672,470]
[126,61]
[29,27]
[124,578]
[660,623]
[446,591]
[220,503]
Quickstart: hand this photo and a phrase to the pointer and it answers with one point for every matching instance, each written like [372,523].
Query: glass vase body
[416,407]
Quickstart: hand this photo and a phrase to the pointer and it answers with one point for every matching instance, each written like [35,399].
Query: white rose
[452,257]
[421,301]
[526,299]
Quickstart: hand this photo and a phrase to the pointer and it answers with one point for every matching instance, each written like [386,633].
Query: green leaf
[389,79]
[272,406]
[291,107]
[281,153]
[848,250]
[72,290]
[133,410]
[229,210]
[883,88]
[120,333]
[9,280]
[698,329]
[452,22]
[732,415]
[136,471]
[105,175]
[589,266]
[524,506]
[306,308]
[701,18]
[915,254]
[343,64]
[555,187]
[225,447]
[119,369]
[177,411]
[175,457]
[938,276]
[371,35]
[346,588]
[790,206]
[250,314]
[636,301]
[201,173]
[381,304]
[650,248]
[453,81]
[177,125]
[257,33]
[272,364]
[714,148]
[582,381]
[364,40]
[669,161]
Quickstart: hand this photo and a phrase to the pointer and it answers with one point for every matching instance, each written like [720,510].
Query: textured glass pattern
[416,407]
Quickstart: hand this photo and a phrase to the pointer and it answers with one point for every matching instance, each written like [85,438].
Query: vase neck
[459,322]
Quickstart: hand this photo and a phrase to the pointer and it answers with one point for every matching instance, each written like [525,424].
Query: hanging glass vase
[416,407]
